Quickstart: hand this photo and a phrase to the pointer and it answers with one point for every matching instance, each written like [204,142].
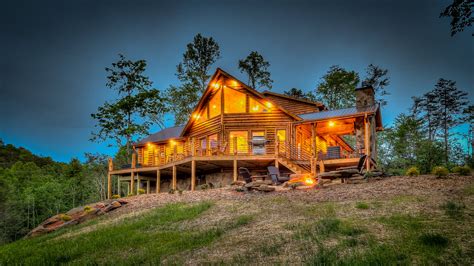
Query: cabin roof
[318,104]
[163,135]
[343,113]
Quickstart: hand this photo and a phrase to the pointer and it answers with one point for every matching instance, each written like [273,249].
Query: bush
[413,171]
[362,205]
[368,174]
[462,170]
[87,208]
[204,186]
[141,191]
[440,171]
[65,217]
[116,196]
[130,195]
[180,191]
[453,209]
[171,191]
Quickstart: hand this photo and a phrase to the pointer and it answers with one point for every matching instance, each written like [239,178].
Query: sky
[53,54]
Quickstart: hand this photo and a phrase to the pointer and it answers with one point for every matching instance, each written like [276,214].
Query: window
[238,141]
[281,135]
[256,107]
[234,101]
[258,133]
[202,117]
[215,105]
[213,141]
[203,146]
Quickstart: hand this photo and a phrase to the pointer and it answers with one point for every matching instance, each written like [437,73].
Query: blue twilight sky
[53,53]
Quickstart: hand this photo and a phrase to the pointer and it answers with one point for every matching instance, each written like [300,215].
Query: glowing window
[202,116]
[234,101]
[256,107]
[239,141]
[281,135]
[215,105]
[213,141]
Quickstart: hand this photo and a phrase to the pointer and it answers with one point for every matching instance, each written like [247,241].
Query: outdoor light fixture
[269,104]
[172,142]
[331,123]
[215,85]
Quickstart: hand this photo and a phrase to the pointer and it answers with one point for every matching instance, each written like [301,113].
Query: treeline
[33,188]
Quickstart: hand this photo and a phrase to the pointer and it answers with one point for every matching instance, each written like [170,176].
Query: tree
[425,108]
[300,94]
[193,73]
[451,102]
[138,107]
[256,68]
[460,12]
[337,90]
[377,78]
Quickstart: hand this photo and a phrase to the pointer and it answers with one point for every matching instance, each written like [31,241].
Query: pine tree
[257,70]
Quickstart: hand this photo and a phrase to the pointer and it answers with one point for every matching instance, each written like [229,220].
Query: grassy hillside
[401,220]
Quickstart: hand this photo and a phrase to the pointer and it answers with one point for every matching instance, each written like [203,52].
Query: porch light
[269,104]
[332,123]
[215,85]
[214,106]
[172,142]
[196,116]
[233,83]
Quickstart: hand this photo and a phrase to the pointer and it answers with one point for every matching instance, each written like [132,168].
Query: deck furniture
[245,173]
[276,176]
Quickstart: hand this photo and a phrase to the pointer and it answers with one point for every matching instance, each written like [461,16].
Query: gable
[293,105]
[227,95]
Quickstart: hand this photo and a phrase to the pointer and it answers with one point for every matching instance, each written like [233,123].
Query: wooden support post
[148,187]
[234,141]
[235,170]
[118,186]
[128,189]
[277,164]
[366,142]
[158,181]
[132,183]
[193,147]
[138,183]
[134,160]
[109,186]
[173,183]
[193,175]
[175,152]
[321,166]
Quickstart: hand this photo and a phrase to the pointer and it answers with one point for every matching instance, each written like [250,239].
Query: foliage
[440,171]
[87,208]
[116,196]
[9,155]
[141,191]
[256,68]
[300,94]
[204,186]
[462,170]
[337,90]
[137,108]
[193,73]
[362,205]
[413,171]
[453,209]
[171,191]
[377,78]
[460,12]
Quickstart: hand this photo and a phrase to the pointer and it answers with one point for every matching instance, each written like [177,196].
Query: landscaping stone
[266,188]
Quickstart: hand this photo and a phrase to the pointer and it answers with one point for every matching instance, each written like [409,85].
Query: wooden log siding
[293,106]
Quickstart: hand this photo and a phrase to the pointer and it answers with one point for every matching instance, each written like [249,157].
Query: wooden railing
[297,153]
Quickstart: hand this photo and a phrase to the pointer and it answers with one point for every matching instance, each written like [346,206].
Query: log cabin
[234,125]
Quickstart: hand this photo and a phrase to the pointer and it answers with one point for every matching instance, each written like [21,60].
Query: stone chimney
[365,96]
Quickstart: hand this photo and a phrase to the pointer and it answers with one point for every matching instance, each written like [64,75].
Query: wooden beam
[138,183]
[174,181]
[109,186]
[158,181]
[366,142]
[321,166]
[193,175]
[118,187]
[235,170]
[132,183]
[134,160]
[276,164]
[148,187]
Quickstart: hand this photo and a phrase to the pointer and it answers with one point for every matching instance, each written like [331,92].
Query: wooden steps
[292,166]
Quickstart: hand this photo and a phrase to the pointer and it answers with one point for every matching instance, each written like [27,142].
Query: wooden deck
[334,163]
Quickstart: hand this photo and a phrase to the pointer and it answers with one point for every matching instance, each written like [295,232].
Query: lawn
[398,227]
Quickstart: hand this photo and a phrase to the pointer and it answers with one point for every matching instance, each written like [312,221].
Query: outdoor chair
[359,166]
[245,173]
[276,176]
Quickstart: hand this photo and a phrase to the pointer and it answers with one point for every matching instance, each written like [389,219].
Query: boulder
[266,188]
[112,206]
[238,183]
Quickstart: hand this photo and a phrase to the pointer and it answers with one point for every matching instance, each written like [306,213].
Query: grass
[362,205]
[145,239]
[453,209]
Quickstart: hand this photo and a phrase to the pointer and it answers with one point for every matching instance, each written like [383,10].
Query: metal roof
[163,135]
[353,111]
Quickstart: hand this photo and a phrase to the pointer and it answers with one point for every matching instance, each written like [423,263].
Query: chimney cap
[365,88]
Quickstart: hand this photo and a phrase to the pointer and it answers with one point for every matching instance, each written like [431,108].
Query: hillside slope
[403,220]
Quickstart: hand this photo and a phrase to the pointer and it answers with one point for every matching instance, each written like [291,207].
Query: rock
[266,188]
[99,205]
[329,175]
[356,177]
[250,185]
[122,201]
[114,205]
[238,183]
[262,182]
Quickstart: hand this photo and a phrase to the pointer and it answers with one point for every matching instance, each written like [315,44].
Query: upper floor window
[256,107]
[215,105]
[234,101]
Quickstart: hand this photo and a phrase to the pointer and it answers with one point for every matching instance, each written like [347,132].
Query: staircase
[293,166]
[294,158]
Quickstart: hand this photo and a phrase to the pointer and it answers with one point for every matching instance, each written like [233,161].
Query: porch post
[128,189]
[313,148]
[138,183]
[158,181]
[366,142]
[235,169]
[109,186]
[193,175]
[148,187]
[173,183]
[118,186]
[132,182]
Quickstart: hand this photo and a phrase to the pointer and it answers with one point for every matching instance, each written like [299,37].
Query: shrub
[369,174]
[462,170]
[440,171]
[130,195]
[434,240]
[295,185]
[362,205]
[65,217]
[204,186]
[141,191]
[413,171]
[116,196]
[171,191]
[180,191]
[87,208]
